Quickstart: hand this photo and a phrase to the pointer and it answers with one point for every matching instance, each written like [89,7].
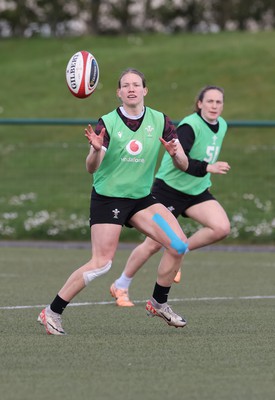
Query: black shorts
[116,210]
[177,202]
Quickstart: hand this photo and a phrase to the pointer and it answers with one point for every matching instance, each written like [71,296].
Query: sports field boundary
[187,299]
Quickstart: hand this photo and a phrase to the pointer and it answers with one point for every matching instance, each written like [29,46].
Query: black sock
[58,305]
[161,293]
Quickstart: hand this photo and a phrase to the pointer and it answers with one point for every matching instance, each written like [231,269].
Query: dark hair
[201,94]
[132,71]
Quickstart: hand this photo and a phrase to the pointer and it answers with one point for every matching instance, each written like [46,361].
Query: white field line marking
[96,303]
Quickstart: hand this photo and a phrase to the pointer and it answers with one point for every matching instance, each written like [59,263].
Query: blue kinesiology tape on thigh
[176,242]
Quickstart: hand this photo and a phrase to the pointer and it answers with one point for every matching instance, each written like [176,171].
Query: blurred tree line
[26,18]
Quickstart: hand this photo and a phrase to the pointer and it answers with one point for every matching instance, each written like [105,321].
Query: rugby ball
[82,74]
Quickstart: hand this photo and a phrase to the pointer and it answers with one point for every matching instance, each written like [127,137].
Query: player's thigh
[208,213]
[105,238]
[156,221]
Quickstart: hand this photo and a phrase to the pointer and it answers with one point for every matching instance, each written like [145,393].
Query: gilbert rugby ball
[82,74]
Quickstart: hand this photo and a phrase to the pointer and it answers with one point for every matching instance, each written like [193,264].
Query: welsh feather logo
[149,130]
[134,147]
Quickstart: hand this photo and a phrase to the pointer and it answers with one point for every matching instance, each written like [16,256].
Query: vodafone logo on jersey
[134,147]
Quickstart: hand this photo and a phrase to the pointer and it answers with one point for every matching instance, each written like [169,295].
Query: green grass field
[226,352]
[176,66]
[44,185]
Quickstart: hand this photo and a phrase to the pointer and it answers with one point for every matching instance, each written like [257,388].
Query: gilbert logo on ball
[82,74]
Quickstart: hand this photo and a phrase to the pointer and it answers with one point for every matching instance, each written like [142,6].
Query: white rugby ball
[82,74]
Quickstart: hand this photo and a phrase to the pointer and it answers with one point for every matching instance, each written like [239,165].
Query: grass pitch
[226,352]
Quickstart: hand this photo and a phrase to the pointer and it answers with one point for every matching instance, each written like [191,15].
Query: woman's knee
[222,230]
[90,272]
[152,246]
[178,247]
